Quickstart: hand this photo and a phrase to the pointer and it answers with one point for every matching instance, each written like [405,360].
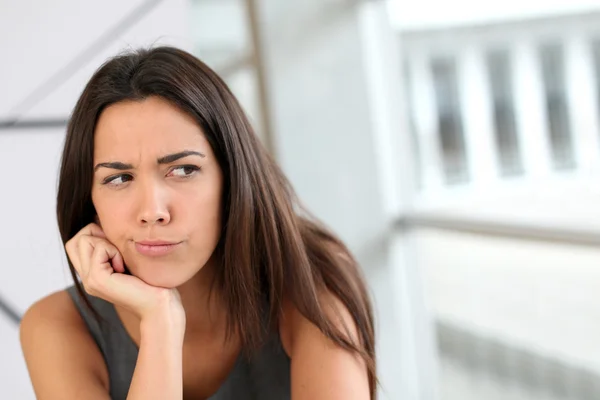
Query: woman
[199,275]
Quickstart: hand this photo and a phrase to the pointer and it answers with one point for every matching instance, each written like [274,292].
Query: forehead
[154,126]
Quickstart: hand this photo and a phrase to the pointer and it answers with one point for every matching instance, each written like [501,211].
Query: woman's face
[156,181]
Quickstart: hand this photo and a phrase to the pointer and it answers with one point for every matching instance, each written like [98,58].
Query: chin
[166,273]
[169,281]
[161,277]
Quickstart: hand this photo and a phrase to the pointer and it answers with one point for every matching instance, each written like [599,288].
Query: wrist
[167,317]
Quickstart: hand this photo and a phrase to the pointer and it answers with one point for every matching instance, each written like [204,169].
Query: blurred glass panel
[596,58]
[222,39]
[517,312]
[561,143]
[501,83]
[450,126]
[219,30]
[411,125]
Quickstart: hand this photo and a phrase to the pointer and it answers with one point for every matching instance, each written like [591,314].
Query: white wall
[37,42]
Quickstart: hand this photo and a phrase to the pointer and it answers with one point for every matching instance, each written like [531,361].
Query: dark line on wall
[80,60]
[49,123]
[9,312]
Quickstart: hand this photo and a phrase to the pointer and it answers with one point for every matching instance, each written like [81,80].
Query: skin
[164,303]
[178,201]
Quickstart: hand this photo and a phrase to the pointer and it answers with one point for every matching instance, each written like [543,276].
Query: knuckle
[86,286]
[70,247]
[93,284]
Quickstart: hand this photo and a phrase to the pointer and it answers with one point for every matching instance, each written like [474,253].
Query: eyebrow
[168,159]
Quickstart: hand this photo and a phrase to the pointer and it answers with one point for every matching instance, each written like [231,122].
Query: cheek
[112,219]
[206,220]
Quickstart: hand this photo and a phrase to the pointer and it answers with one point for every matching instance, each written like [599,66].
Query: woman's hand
[101,269]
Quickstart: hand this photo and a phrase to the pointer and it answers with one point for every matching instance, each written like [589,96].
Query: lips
[156,242]
[156,248]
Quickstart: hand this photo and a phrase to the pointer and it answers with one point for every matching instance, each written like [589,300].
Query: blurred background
[454,146]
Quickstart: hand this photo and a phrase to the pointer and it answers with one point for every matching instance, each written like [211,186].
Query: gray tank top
[266,376]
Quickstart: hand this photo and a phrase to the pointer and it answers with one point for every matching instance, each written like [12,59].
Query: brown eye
[117,180]
[184,171]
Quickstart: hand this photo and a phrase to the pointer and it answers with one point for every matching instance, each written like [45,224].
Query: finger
[75,261]
[96,271]
[107,255]
[93,229]
[117,263]
[115,259]
[85,251]
[101,269]
[90,229]
[112,257]
[80,254]
[73,254]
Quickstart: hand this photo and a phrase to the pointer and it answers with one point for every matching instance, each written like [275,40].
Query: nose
[153,205]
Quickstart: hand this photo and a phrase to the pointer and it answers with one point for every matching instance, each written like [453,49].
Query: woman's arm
[64,362]
[320,369]
[158,373]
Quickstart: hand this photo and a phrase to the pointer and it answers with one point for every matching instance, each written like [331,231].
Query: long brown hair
[270,247]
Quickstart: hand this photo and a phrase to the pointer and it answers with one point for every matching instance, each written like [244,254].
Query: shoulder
[321,369]
[295,327]
[57,345]
[55,313]
[57,306]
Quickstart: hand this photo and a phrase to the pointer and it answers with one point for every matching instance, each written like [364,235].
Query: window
[450,127]
[561,142]
[506,138]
